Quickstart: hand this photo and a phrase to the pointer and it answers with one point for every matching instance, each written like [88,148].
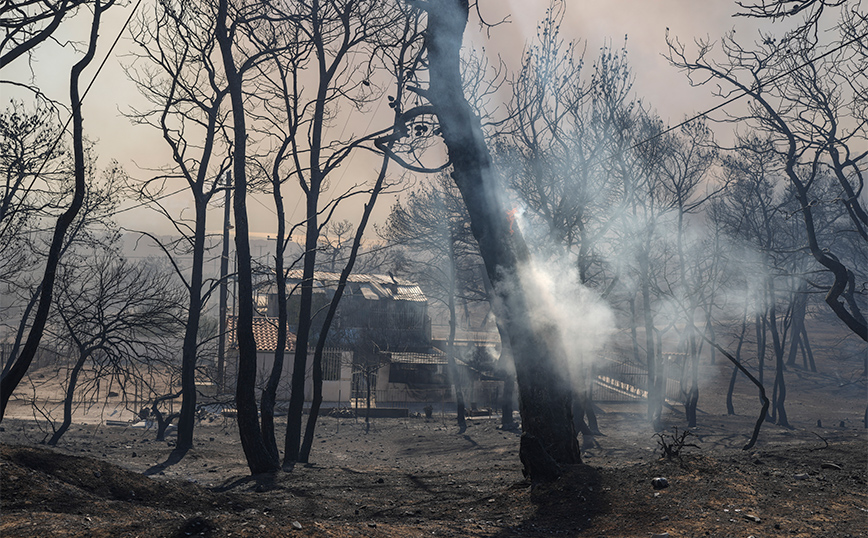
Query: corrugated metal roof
[464,336]
[418,358]
[384,286]
[369,293]
[422,358]
[264,334]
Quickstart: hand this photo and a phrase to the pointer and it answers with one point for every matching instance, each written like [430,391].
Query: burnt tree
[549,437]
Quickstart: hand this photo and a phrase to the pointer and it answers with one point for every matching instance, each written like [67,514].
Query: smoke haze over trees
[601,235]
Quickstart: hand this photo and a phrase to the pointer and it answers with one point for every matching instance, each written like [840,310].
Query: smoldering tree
[808,98]
[549,437]
[176,70]
[121,321]
[11,377]
[563,128]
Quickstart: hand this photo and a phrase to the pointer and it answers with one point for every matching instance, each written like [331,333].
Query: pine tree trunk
[259,459]
[549,438]
[10,378]
[70,394]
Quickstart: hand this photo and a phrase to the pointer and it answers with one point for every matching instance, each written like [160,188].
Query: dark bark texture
[544,389]
[259,459]
[10,378]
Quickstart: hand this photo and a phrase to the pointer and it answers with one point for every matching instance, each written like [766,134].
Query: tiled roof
[264,333]
[370,286]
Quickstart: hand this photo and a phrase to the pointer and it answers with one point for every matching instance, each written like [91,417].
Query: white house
[337,365]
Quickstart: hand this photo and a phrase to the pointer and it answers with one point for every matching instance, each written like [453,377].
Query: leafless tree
[232,23]
[11,377]
[809,97]
[121,317]
[35,169]
[684,172]
[27,241]
[396,46]
[334,35]
[28,23]
[176,70]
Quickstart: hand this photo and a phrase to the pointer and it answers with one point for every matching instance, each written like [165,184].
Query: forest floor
[418,477]
[409,477]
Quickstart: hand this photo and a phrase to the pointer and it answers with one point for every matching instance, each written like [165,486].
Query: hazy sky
[596,22]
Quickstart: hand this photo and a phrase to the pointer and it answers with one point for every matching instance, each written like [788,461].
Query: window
[331,365]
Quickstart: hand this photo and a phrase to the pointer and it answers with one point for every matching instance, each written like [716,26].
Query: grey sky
[644,21]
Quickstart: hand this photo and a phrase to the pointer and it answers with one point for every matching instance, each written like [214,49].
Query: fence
[615,381]
[618,381]
[45,356]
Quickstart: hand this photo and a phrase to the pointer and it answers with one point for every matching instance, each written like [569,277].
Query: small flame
[510,215]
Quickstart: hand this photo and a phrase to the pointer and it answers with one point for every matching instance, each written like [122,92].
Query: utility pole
[224,287]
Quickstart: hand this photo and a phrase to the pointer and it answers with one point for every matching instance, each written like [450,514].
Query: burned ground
[421,477]
[412,477]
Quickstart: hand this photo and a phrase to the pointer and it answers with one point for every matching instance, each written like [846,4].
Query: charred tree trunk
[709,329]
[70,394]
[762,394]
[10,378]
[269,394]
[800,306]
[634,335]
[307,442]
[655,398]
[730,409]
[759,323]
[549,437]
[22,326]
[163,422]
[368,375]
[779,391]
[807,353]
[450,346]
[259,459]
[692,402]
[292,442]
[187,418]
[224,291]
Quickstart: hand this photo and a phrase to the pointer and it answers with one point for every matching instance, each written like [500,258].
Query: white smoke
[585,323]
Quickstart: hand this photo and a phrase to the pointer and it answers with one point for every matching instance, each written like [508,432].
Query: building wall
[334,391]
